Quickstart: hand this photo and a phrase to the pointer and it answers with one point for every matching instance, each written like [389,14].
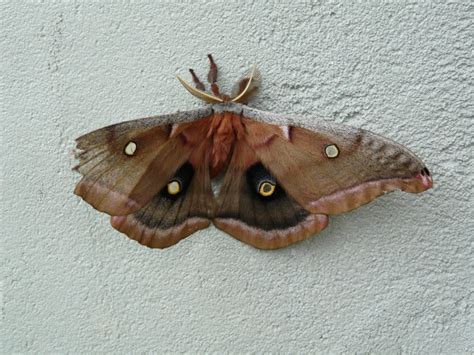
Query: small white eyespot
[130,148]
[331,151]
[174,187]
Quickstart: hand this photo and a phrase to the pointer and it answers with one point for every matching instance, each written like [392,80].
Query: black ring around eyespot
[256,175]
[183,176]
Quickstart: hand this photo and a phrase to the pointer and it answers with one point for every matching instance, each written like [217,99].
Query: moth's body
[280,182]
[223,130]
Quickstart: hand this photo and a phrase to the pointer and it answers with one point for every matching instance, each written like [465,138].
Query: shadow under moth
[278,184]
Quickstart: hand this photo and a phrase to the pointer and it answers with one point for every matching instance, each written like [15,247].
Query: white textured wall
[393,276]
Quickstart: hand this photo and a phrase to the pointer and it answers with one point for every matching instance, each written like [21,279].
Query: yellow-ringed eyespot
[130,148]
[174,187]
[331,151]
[266,188]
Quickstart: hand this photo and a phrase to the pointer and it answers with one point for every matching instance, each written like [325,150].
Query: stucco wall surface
[393,276]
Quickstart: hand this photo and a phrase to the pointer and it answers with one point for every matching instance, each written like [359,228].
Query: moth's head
[241,92]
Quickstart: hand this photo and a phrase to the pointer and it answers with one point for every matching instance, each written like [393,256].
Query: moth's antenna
[199,93]
[247,85]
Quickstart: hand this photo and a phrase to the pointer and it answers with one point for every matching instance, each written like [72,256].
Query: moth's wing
[126,164]
[168,218]
[264,222]
[335,168]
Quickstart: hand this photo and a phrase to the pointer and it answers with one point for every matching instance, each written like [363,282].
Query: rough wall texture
[393,276]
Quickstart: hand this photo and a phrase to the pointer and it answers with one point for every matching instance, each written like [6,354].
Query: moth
[278,184]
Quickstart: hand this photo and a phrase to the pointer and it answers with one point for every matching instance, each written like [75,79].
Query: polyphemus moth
[278,185]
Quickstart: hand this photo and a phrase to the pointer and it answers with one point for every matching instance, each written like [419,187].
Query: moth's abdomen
[225,129]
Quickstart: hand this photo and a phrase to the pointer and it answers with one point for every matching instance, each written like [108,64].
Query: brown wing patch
[120,177]
[266,218]
[273,239]
[179,209]
[332,172]
[155,237]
